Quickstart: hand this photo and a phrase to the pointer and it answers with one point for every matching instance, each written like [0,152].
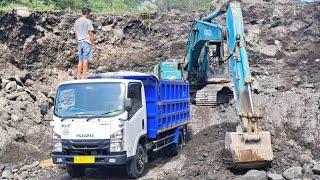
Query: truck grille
[86,144]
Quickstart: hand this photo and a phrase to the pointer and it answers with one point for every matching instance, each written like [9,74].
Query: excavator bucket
[242,154]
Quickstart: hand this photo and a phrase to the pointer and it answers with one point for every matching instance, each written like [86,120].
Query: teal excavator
[217,68]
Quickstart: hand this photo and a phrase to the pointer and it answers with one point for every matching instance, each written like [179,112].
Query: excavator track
[214,94]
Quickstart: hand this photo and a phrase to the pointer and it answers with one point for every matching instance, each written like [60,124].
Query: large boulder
[22,12]
[254,175]
[11,86]
[274,176]
[293,172]
[316,168]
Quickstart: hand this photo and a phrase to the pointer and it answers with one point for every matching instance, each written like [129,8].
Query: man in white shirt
[86,42]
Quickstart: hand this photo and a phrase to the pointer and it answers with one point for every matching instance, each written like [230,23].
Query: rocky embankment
[38,51]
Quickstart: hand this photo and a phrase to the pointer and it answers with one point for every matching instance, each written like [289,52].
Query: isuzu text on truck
[118,119]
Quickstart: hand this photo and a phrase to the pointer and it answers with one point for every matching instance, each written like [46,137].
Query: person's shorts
[85,51]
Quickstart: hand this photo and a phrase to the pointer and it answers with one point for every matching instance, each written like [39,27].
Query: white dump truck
[118,119]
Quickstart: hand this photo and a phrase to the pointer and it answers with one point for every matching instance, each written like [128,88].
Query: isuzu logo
[65,132]
[84,135]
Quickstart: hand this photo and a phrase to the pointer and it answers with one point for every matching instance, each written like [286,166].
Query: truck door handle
[142,123]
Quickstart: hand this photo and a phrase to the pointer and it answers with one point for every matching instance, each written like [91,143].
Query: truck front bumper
[99,159]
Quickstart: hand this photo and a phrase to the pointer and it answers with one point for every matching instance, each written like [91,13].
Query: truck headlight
[116,147]
[57,146]
[116,141]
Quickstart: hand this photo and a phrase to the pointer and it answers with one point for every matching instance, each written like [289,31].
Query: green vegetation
[103,6]
[183,5]
[72,5]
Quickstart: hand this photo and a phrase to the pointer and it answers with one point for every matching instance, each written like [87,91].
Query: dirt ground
[283,46]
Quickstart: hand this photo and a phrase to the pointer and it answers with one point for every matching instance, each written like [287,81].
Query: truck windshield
[90,99]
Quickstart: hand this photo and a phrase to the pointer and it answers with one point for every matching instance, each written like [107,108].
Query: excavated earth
[283,40]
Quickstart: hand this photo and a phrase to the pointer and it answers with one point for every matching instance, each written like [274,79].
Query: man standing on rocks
[86,42]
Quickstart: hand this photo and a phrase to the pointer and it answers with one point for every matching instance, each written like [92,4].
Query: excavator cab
[170,69]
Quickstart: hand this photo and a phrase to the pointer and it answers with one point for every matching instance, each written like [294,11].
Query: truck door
[136,126]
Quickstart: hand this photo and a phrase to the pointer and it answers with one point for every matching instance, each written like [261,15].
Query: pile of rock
[306,172]
[21,126]
[24,170]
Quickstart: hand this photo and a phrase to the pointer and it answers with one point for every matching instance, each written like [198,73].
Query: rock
[2,166]
[254,175]
[149,6]
[277,42]
[4,116]
[12,96]
[16,118]
[211,175]
[175,12]
[4,82]
[22,12]
[305,159]
[31,94]
[30,166]
[317,60]
[310,86]
[11,86]
[22,176]
[29,82]
[307,172]
[316,177]
[45,164]
[293,172]
[7,174]
[18,80]
[256,87]
[316,168]
[269,50]
[37,120]
[274,176]
[24,96]
[15,134]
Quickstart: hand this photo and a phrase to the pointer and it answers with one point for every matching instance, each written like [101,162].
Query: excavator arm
[249,146]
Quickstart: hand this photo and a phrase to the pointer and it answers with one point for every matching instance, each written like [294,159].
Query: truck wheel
[75,171]
[174,149]
[136,165]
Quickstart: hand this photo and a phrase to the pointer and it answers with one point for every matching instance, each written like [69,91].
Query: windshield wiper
[102,114]
[62,119]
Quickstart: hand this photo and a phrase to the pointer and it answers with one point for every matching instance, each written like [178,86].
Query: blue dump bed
[167,101]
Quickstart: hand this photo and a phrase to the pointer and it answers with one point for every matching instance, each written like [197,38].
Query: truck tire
[75,171]
[174,149]
[136,166]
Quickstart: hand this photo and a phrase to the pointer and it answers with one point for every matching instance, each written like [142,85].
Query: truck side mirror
[128,104]
[43,109]
[124,117]
[44,112]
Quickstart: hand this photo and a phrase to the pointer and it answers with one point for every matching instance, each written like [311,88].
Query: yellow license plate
[84,159]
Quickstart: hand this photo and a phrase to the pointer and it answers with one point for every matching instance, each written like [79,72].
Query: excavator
[217,68]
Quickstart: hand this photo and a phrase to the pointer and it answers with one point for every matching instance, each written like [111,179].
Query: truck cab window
[134,92]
